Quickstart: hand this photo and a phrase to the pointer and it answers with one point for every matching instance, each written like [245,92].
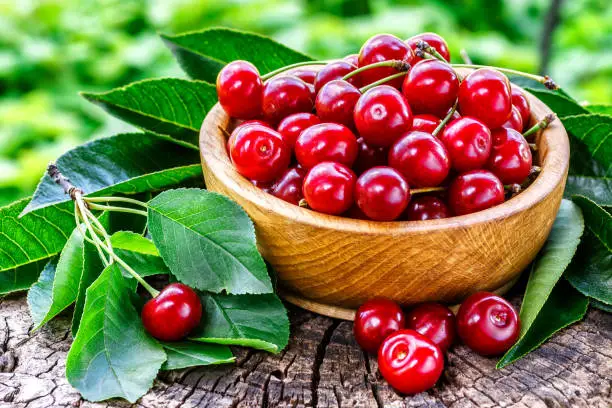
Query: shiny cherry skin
[474,191]
[352,59]
[382,193]
[369,156]
[305,74]
[485,95]
[488,324]
[285,95]
[172,314]
[434,321]
[383,47]
[240,90]
[510,158]
[288,187]
[410,362]
[259,153]
[263,186]
[375,320]
[329,188]
[382,115]
[334,70]
[514,121]
[431,86]
[291,127]
[425,123]
[432,39]
[427,208]
[520,102]
[468,142]
[336,102]
[421,158]
[326,142]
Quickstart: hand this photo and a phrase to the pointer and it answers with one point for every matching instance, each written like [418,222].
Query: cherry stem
[465,57]
[302,203]
[514,188]
[446,119]
[398,65]
[114,199]
[543,124]
[423,45]
[117,209]
[425,190]
[288,67]
[382,81]
[533,147]
[544,80]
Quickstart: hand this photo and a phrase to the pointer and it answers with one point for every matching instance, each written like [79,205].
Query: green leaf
[191,354]
[595,131]
[600,305]
[202,54]
[208,242]
[591,270]
[169,106]
[258,321]
[139,253]
[112,355]
[603,109]
[560,104]
[40,294]
[126,163]
[563,307]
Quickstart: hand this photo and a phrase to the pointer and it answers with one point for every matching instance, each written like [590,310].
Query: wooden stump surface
[321,367]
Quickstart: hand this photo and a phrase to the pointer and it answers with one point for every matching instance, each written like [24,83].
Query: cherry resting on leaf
[172,314]
[374,321]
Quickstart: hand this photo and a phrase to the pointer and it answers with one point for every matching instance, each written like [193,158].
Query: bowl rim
[554,168]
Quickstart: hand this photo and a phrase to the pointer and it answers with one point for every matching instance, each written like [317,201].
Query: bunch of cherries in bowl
[393,133]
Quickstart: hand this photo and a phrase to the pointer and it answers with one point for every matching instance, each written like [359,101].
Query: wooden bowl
[330,265]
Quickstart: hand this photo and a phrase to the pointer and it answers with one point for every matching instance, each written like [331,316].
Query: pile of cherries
[365,133]
[411,348]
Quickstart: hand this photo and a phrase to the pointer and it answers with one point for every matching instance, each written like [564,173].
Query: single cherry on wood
[288,187]
[285,95]
[474,191]
[329,188]
[375,320]
[468,142]
[336,102]
[172,314]
[383,47]
[510,158]
[326,142]
[431,86]
[240,90]
[434,40]
[434,321]
[485,94]
[382,193]
[291,127]
[427,208]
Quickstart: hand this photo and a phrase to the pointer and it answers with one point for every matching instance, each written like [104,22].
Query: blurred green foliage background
[51,49]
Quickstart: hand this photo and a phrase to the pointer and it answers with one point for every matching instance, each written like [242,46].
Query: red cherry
[369,156]
[410,362]
[328,188]
[305,74]
[510,158]
[264,186]
[251,122]
[427,208]
[288,187]
[326,142]
[285,95]
[468,142]
[434,321]
[488,324]
[239,89]
[520,102]
[421,158]
[336,101]
[259,153]
[382,193]
[514,121]
[485,95]
[332,71]
[383,47]
[172,314]
[374,321]
[431,86]
[425,123]
[352,59]
[432,39]
[474,191]
[382,115]
[291,127]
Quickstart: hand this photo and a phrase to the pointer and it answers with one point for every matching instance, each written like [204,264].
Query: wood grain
[331,261]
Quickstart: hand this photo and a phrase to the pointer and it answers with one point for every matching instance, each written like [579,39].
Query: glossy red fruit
[332,71]
[240,90]
[410,362]
[514,121]
[383,47]
[329,188]
[336,102]
[434,321]
[374,321]
[485,95]
[291,127]
[369,156]
[352,59]
[382,193]
[421,158]
[488,324]
[432,39]
[326,142]
[285,95]
[427,208]
[264,186]
[382,115]
[288,187]
[431,86]
[259,153]
[468,142]
[510,158]
[305,74]
[474,191]
[172,314]
[520,102]
[425,123]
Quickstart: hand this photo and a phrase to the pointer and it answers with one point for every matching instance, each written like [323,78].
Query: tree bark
[321,367]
